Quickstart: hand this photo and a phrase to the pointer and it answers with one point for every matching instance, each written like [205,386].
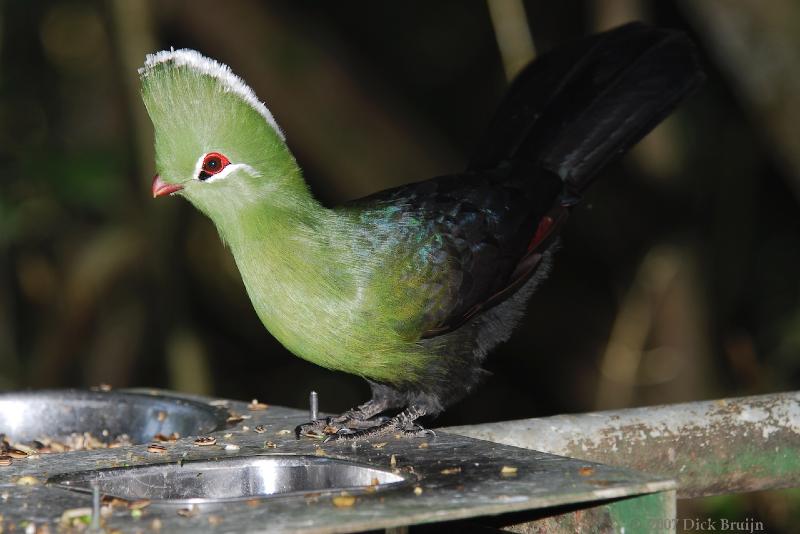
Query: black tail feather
[575,110]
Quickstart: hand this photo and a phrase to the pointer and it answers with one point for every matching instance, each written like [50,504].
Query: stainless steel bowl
[231,479]
[26,416]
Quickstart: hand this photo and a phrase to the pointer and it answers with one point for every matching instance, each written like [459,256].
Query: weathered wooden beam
[710,448]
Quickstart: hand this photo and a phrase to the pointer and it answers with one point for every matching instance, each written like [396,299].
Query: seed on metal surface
[393,461]
[113,501]
[271,445]
[417,490]
[423,445]
[28,481]
[161,416]
[227,435]
[257,406]
[284,432]
[5,460]
[451,471]
[508,471]
[188,512]
[104,387]
[75,513]
[260,429]
[235,418]
[138,505]
[231,447]
[17,454]
[379,445]
[586,471]
[205,440]
[214,520]
[172,437]
[343,501]
[156,448]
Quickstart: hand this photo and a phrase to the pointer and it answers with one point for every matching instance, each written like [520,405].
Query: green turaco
[410,287]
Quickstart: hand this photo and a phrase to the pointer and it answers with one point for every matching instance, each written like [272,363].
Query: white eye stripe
[231,168]
[224,173]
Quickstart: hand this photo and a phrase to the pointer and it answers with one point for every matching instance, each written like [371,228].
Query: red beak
[161,188]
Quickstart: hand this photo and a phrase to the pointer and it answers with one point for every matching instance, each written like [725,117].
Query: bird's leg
[356,418]
[402,422]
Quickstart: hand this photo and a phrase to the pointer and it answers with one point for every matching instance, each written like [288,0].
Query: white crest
[221,72]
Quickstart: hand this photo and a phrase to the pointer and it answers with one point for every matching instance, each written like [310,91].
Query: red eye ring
[213,163]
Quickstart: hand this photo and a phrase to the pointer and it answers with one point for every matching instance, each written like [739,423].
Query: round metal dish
[55,414]
[233,479]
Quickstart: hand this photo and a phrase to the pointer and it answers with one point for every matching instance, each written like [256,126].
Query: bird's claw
[316,429]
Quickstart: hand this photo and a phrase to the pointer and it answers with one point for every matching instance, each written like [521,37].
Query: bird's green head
[216,143]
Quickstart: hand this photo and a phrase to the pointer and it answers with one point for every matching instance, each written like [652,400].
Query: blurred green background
[677,279]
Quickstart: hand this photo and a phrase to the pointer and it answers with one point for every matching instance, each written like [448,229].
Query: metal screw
[313,401]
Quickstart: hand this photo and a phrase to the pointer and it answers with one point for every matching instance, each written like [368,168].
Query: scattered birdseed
[155,524]
[161,416]
[284,432]
[586,471]
[235,418]
[271,445]
[73,442]
[104,387]
[28,481]
[424,445]
[393,461]
[319,451]
[379,445]
[5,460]
[417,490]
[155,448]
[214,520]
[231,447]
[343,501]
[245,428]
[205,441]
[257,406]
[227,435]
[451,471]
[508,471]
[260,429]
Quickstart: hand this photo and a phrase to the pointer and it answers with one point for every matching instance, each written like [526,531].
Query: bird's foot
[402,423]
[359,418]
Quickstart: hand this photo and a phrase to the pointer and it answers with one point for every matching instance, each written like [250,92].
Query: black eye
[212,164]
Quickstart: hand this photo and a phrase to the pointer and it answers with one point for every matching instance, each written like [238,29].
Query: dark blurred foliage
[677,279]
